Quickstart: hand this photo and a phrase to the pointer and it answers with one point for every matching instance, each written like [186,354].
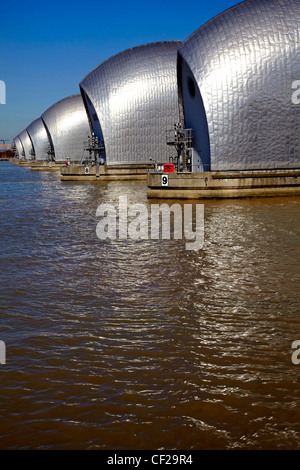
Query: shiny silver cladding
[132,99]
[39,138]
[245,62]
[27,145]
[68,127]
[19,147]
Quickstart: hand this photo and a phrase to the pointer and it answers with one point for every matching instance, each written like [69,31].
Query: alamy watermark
[164,222]
[2,92]
[2,353]
[296,93]
[296,353]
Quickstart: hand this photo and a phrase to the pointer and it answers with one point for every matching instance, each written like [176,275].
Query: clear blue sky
[48,47]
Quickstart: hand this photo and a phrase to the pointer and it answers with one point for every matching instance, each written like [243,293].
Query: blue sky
[47,48]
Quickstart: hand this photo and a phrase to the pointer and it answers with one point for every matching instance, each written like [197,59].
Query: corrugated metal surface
[19,146]
[39,138]
[67,124]
[27,145]
[244,62]
[134,95]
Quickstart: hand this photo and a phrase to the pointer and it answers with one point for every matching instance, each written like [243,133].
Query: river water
[143,344]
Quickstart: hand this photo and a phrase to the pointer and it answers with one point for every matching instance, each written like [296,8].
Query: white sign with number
[164,180]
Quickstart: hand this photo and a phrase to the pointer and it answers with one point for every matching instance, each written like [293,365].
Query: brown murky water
[145,345]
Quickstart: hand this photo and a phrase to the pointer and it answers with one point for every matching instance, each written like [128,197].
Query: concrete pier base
[231,184]
[104,172]
[45,166]
[24,163]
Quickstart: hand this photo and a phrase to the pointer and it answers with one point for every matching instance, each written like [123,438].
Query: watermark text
[162,221]
[2,92]
[296,93]
[2,353]
[296,353]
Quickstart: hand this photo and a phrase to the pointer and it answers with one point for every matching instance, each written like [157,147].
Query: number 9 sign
[164,180]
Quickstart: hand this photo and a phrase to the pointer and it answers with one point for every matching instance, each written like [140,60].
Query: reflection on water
[142,344]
